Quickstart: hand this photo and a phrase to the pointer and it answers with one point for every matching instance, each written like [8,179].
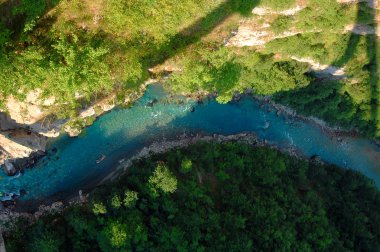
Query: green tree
[162,180]
[186,165]
[99,208]
[130,198]
[116,202]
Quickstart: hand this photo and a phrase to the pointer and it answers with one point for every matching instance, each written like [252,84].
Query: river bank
[26,210]
[156,126]
[100,108]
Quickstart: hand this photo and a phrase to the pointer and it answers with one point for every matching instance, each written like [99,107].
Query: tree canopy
[217,197]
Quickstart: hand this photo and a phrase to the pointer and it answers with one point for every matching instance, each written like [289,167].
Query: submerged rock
[9,168]
[266,126]
[151,102]
[27,162]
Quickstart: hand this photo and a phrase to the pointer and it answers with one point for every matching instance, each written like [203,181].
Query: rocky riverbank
[27,126]
[10,212]
[185,140]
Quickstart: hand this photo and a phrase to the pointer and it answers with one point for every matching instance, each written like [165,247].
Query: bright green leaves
[282,23]
[116,202]
[80,67]
[210,70]
[225,72]
[268,76]
[116,234]
[99,208]
[162,180]
[186,165]
[130,198]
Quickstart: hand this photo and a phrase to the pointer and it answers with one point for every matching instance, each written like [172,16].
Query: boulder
[9,168]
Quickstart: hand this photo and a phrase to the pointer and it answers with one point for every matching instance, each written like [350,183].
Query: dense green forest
[217,197]
[80,51]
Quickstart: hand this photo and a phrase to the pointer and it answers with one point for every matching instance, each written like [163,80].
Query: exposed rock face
[73,132]
[19,144]
[25,126]
[22,130]
[266,11]
[30,114]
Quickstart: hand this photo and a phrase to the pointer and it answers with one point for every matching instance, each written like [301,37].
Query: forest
[80,51]
[208,196]
[217,197]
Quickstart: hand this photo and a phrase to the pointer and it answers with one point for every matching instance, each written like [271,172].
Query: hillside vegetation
[72,49]
[217,197]
[81,51]
[328,33]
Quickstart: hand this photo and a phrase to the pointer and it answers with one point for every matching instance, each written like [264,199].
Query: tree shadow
[200,28]
[329,100]
[15,14]
[371,48]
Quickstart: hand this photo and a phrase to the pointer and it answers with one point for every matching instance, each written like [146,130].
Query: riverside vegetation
[217,197]
[79,51]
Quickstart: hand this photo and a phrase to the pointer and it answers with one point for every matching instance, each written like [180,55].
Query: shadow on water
[330,101]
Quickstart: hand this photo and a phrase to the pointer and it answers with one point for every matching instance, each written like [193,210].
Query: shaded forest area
[217,197]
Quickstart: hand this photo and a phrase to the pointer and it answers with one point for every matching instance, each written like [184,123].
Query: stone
[9,168]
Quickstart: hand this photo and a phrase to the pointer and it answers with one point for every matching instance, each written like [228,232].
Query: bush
[282,23]
[278,4]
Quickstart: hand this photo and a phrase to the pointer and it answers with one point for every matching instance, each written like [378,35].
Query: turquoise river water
[122,132]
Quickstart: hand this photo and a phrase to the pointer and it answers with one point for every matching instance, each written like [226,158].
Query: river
[122,132]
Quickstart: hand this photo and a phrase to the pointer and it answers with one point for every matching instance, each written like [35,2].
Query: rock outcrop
[26,125]
[9,168]
[20,143]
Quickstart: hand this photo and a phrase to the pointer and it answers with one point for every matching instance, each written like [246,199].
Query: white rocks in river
[73,132]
